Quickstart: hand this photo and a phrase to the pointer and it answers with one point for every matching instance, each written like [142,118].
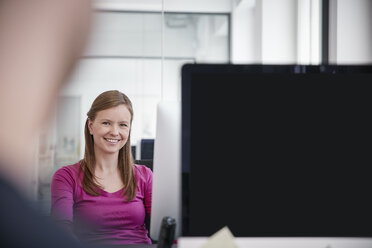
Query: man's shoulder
[23,226]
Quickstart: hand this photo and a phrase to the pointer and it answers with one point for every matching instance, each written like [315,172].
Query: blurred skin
[40,43]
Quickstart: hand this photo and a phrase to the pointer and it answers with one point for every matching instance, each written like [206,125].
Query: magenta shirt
[107,218]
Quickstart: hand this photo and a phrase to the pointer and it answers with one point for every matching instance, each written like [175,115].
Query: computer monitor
[134,152]
[166,194]
[147,148]
[277,151]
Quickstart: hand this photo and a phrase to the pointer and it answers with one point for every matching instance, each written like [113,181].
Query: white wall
[288,31]
[309,31]
[275,32]
[244,29]
[279,22]
[351,31]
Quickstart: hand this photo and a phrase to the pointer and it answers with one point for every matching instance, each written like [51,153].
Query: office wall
[276,32]
[245,32]
[350,31]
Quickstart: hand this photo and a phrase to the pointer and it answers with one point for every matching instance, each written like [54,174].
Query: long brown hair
[106,100]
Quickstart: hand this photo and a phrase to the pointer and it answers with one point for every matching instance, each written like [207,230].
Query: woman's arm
[148,192]
[62,197]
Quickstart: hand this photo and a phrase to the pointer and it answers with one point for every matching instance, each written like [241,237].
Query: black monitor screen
[277,150]
[147,148]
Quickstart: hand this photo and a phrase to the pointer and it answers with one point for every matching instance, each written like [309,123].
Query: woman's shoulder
[66,175]
[142,171]
[71,170]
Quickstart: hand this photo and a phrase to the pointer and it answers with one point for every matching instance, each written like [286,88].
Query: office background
[139,46]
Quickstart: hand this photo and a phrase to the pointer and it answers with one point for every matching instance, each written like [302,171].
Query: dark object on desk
[147,149]
[167,231]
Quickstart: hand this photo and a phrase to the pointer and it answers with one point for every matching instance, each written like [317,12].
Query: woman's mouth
[112,141]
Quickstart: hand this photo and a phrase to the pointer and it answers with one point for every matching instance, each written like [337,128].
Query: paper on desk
[221,239]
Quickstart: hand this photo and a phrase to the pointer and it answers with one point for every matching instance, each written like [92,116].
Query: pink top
[107,218]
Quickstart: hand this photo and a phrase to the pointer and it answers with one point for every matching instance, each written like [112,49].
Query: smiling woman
[104,197]
[110,128]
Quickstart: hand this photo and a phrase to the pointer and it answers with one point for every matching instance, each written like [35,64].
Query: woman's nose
[114,130]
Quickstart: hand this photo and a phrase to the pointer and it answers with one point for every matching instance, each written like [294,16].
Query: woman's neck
[106,163]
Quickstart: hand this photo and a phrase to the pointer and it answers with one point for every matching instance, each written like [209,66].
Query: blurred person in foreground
[40,43]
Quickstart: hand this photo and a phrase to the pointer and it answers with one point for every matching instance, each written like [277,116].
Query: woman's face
[110,129]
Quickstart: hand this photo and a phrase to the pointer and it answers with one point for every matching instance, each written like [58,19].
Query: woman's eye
[123,125]
[105,123]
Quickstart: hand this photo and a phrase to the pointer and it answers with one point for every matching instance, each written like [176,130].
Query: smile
[112,140]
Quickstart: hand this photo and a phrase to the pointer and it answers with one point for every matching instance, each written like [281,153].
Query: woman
[104,197]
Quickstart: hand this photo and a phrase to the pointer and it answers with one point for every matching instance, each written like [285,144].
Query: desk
[135,246]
